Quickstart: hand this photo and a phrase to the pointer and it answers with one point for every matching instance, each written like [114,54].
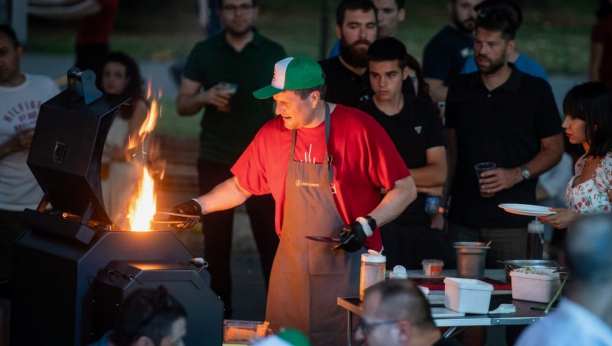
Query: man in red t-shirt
[324,164]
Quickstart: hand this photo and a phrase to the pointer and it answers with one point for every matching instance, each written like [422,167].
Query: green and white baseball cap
[286,337]
[292,73]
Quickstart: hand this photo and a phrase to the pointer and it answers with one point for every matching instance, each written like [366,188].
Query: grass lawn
[554,33]
[170,123]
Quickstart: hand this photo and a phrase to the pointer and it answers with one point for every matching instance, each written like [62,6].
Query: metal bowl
[515,264]
[470,244]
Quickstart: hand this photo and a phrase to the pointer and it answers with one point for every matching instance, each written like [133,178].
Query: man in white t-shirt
[20,98]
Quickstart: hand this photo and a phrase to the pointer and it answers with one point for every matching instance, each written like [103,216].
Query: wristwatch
[371,222]
[525,173]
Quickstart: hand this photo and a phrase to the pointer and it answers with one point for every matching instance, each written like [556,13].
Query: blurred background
[555,33]
[160,33]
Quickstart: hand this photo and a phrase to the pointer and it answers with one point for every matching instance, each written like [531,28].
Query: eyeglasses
[368,327]
[240,8]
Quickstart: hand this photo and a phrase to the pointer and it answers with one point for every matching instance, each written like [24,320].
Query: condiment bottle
[372,271]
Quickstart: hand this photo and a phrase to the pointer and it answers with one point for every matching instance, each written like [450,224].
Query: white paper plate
[526,209]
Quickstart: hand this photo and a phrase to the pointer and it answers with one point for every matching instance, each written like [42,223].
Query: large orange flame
[142,207]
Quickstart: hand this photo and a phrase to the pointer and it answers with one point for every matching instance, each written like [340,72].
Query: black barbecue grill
[71,270]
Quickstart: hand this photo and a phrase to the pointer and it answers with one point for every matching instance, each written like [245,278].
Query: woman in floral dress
[588,109]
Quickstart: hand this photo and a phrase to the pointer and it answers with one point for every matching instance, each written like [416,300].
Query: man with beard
[242,57]
[520,60]
[501,115]
[446,53]
[389,14]
[345,75]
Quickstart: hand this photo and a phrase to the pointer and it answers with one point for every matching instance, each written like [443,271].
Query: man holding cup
[229,67]
[503,130]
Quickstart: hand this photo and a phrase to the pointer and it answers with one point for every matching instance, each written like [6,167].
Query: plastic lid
[370,258]
[433,262]
[471,284]
[399,272]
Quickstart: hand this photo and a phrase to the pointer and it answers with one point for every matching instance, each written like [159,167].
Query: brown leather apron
[307,277]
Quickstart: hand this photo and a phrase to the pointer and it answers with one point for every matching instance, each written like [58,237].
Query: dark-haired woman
[600,68]
[122,169]
[588,109]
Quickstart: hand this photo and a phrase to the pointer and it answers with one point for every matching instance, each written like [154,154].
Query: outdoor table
[523,315]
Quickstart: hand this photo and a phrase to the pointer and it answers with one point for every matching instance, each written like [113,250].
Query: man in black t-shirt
[414,127]
[346,75]
[446,52]
[500,115]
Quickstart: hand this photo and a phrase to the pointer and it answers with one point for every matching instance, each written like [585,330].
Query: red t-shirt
[364,160]
[602,33]
[97,28]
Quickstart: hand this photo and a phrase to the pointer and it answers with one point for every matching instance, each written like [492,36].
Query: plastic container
[534,284]
[399,272]
[432,267]
[372,271]
[467,295]
[535,239]
[241,332]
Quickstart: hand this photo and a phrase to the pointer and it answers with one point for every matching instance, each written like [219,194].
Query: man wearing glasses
[396,313]
[220,76]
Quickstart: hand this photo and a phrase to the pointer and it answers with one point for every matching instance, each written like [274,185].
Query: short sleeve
[449,107]
[386,164]
[435,137]
[603,174]
[436,61]
[250,167]
[193,68]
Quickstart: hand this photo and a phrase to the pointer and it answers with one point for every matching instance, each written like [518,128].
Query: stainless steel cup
[471,258]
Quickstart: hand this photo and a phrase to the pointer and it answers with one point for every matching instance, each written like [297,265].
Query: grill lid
[66,151]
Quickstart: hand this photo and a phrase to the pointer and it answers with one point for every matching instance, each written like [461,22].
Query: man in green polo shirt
[229,67]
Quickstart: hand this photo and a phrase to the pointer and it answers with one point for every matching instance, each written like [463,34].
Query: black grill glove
[190,207]
[352,237]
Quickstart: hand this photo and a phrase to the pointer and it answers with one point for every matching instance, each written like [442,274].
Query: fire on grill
[71,270]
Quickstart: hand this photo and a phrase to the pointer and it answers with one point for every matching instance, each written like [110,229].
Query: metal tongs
[186,216]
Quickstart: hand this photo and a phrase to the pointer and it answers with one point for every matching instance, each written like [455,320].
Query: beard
[238,33]
[352,55]
[466,26]
[494,65]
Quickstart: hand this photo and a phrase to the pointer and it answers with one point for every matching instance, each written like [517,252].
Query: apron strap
[328,157]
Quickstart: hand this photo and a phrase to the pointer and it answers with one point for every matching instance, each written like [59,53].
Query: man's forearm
[224,196]
[395,201]
[437,89]
[9,147]
[430,175]
[451,155]
[189,104]
[548,157]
